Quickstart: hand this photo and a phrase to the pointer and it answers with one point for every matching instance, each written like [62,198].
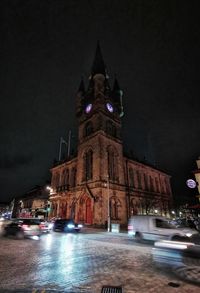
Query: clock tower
[100,151]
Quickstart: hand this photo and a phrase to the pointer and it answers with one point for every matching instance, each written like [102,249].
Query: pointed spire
[98,65]
[117,95]
[81,86]
[116,86]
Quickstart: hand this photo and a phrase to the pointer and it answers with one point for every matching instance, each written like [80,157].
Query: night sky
[153,47]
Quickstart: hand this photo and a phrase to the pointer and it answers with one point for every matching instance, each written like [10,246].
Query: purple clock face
[88,108]
[109,107]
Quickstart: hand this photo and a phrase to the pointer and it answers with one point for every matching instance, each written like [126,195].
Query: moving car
[156,228]
[21,228]
[66,225]
[45,226]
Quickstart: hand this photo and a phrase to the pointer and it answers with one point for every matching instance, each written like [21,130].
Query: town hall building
[102,185]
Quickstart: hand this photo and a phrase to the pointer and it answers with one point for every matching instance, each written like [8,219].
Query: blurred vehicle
[168,253]
[45,226]
[21,228]
[3,223]
[156,228]
[66,225]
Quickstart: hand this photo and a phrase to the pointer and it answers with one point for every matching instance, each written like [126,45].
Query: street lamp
[108,190]
[50,189]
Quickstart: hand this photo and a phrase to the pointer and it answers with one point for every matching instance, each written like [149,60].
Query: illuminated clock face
[88,108]
[109,107]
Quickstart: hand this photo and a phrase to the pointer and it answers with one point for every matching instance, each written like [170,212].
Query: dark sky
[46,46]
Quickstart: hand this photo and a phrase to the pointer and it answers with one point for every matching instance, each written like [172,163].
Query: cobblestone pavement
[83,263]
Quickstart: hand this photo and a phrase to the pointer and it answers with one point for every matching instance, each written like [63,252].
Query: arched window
[167,186]
[88,163]
[64,177]
[157,185]
[139,180]
[112,164]
[88,128]
[133,207]
[151,184]
[73,177]
[146,186]
[114,208]
[56,179]
[131,177]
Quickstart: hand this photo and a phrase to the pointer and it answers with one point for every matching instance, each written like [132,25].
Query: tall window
[167,186]
[131,177]
[114,208]
[139,180]
[146,182]
[88,128]
[56,179]
[157,185]
[73,177]
[151,184]
[112,164]
[88,163]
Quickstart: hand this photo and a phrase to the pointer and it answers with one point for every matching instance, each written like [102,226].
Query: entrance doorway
[88,212]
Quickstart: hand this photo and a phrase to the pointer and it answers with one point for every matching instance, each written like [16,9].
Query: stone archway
[85,214]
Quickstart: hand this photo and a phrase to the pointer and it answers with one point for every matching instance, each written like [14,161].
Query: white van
[156,228]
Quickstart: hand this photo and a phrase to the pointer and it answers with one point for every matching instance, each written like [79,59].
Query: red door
[88,219]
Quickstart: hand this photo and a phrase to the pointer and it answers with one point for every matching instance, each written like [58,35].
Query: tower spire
[81,86]
[98,65]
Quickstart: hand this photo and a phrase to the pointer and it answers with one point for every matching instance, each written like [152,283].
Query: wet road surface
[82,262]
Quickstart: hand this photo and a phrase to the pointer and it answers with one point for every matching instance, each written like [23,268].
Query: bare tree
[148,204]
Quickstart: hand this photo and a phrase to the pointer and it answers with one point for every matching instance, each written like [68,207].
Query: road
[83,262]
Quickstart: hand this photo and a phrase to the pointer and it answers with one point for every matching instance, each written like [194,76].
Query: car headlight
[70,226]
[188,234]
[80,225]
[50,225]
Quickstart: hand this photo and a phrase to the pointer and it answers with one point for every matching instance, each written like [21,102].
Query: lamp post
[108,190]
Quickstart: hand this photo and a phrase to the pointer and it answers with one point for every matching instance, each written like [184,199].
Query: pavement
[185,266]
[93,265]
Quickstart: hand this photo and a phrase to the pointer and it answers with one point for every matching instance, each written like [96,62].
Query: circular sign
[191,183]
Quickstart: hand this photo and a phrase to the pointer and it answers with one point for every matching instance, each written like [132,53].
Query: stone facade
[100,181]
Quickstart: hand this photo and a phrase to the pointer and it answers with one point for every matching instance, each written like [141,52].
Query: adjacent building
[34,203]
[100,183]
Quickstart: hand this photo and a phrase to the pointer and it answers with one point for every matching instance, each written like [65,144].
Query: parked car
[66,225]
[21,228]
[156,228]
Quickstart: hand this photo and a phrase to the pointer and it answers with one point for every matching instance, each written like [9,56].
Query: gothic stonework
[100,178]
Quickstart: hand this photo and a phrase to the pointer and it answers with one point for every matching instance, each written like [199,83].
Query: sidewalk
[122,233]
